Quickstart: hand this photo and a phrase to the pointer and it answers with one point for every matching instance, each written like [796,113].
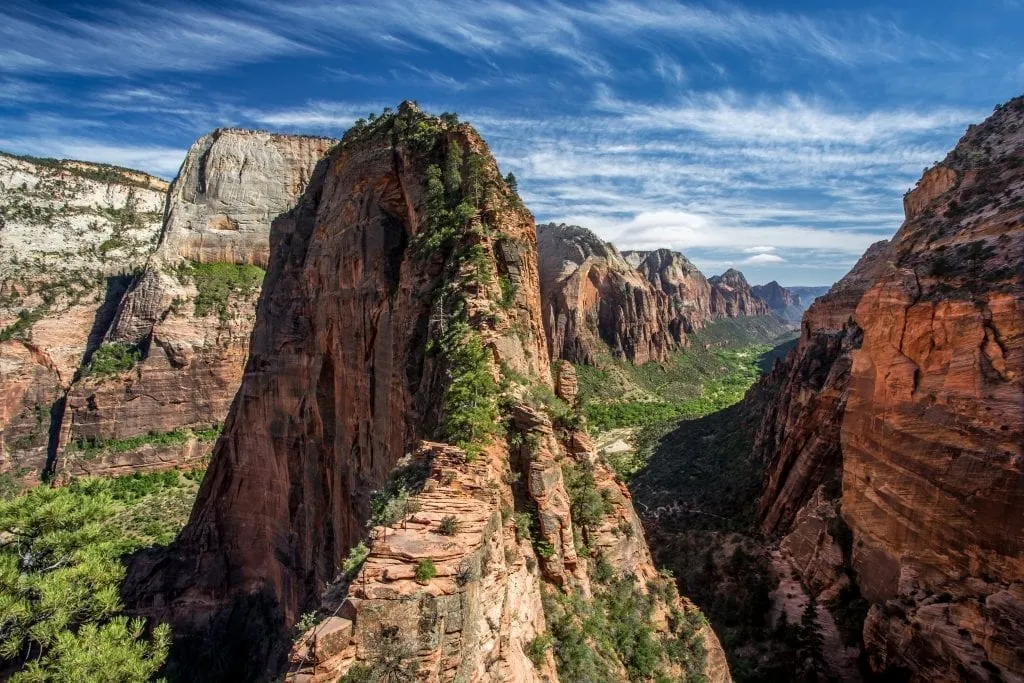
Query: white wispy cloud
[149,38]
[759,259]
[758,250]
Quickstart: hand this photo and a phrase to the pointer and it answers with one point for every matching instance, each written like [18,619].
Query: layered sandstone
[688,291]
[906,390]
[383,283]
[732,296]
[595,302]
[780,301]
[71,234]
[186,312]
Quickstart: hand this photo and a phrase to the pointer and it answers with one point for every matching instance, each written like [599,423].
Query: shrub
[358,673]
[355,560]
[524,525]
[218,283]
[425,570]
[587,505]
[538,647]
[449,526]
[545,549]
[112,359]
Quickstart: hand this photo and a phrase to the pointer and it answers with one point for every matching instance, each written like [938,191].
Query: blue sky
[775,137]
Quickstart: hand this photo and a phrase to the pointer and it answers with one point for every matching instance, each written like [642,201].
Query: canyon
[389,364]
[399,325]
[893,441]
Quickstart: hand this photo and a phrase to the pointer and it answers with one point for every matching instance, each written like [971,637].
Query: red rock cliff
[732,297]
[688,291]
[191,311]
[907,386]
[402,287]
[595,302]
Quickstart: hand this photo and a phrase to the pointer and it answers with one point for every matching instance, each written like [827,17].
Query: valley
[338,409]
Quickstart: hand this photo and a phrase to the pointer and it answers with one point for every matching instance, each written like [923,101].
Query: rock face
[922,390]
[688,291]
[71,235]
[732,297]
[400,289]
[780,301]
[191,311]
[595,302]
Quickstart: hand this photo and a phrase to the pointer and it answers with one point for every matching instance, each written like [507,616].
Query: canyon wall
[71,236]
[595,302]
[688,291]
[732,297]
[189,314]
[399,326]
[903,405]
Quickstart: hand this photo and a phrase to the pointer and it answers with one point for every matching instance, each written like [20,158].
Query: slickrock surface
[194,332]
[732,297]
[369,304]
[923,342]
[688,291]
[69,231]
[595,302]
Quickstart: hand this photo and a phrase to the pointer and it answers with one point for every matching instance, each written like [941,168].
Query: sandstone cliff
[399,327]
[688,291]
[595,302]
[732,297]
[188,316]
[906,391]
[780,301]
[71,235]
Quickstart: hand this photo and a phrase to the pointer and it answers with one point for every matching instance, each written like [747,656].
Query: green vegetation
[112,359]
[219,283]
[61,569]
[103,173]
[392,502]
[355,560]
[588,638]
[538,647]
[20,328]
[587,505]
[90,447]
[449,526]
[425,570]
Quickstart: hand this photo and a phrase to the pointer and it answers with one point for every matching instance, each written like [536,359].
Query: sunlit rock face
[72,234]
[595,302]
[348,382]
[906,392]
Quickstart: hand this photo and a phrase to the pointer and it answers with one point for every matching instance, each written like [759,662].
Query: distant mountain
[807,295]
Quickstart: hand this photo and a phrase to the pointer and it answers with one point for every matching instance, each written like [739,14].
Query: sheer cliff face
[192,309]
[688,291]
[71,234]
[935,412]
[732,297]
[232,184]
[595,302]
[907,387]
[798,439]
[401,289]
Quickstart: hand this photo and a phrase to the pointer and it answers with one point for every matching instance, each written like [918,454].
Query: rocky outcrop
[688,291]
[917,412]
[798,438]
[401,289]
[732,297]
[595,303]
[780,301]
[71,235]
[191,311]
